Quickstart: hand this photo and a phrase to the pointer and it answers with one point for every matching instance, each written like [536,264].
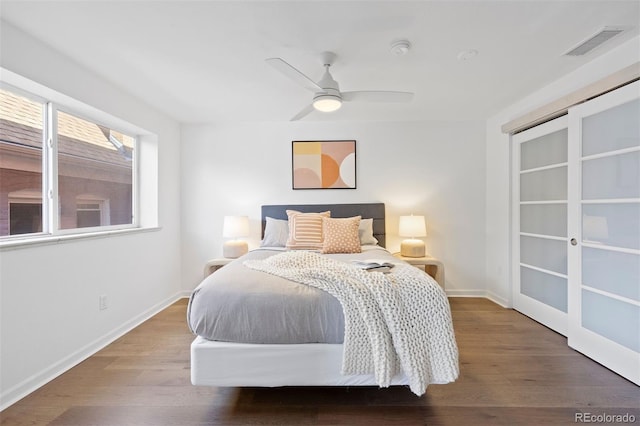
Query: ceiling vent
[607,33]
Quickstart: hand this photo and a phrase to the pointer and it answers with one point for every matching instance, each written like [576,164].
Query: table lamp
[412,227]
[235,227]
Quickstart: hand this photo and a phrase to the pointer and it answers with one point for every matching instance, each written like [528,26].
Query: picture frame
[324,164]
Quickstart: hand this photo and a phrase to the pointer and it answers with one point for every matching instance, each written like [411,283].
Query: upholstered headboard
[366,210]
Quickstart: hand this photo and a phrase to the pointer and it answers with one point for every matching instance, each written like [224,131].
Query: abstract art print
[324,164]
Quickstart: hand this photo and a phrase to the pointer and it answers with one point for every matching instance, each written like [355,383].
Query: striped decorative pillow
[305,230]
[341,235]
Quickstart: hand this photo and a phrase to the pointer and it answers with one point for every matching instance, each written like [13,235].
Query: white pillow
[365,232]
[276,233]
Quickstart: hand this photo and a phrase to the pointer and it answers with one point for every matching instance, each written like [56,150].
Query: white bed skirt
[243,364]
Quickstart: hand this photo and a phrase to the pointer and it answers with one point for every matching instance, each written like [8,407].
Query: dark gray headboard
[366,210]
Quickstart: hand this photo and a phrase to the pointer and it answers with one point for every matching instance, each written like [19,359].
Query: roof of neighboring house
[21,123]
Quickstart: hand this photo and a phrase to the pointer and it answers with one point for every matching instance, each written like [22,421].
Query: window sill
[58,239]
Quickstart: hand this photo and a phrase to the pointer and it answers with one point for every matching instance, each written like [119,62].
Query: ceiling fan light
[327,103]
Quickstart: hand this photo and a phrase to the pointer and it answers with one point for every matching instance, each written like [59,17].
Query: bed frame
[312,364]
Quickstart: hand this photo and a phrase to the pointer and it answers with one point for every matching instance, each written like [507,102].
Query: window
[21,136]
[96,159]
[89,215]
[25,212]
[92,212]
[85,169]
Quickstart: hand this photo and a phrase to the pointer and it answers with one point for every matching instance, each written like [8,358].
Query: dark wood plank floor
[513,371]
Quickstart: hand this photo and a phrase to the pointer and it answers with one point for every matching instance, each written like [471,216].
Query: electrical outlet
[103,302]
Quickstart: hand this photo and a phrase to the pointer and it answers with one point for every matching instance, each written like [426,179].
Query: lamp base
[234,249]
[412,248]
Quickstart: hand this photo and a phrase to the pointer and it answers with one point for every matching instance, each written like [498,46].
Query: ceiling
[204,61]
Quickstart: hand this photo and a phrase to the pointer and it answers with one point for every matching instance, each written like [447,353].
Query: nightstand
[214,264]
[430,265]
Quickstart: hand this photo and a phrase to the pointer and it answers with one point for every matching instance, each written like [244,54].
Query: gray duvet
[238,304]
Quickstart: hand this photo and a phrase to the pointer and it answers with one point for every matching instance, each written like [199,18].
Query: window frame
[50,190]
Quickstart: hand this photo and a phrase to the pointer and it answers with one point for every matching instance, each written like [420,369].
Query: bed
[261,322]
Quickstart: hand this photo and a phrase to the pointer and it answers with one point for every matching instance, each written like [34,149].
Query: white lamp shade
[412,226]
[235,227]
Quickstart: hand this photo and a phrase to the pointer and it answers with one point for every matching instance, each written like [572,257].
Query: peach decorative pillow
[305,230]
[341,235]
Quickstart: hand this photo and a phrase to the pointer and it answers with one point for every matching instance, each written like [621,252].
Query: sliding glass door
[540,223]
[604,229]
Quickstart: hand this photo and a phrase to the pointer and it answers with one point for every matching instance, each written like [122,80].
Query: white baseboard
[499,300]
[480,293]
[466,293]
[38,380]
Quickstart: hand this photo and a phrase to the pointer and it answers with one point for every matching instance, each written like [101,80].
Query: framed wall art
[323,164]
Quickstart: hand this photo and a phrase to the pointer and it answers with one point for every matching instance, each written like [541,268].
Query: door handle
[574,242]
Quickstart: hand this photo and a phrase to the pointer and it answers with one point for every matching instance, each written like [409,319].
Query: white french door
[540,194]
[604,230]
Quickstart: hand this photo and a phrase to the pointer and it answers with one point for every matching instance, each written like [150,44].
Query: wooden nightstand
[214,264]
[430,265]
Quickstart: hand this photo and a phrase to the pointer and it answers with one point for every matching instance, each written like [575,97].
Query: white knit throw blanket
[394,322]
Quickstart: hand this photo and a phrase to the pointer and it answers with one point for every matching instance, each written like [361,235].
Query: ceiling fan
[327,95]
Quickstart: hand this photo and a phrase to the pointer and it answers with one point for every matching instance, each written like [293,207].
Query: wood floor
[513,371]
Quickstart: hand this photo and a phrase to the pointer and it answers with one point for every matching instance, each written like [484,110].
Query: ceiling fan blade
[305,111]
[293,74]
[377,96]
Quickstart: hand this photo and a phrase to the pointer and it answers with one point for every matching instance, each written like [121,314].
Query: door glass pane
[544,151]
[93,162]
[612,319]
[544,185]
[544,219]
[616,225]
[613,129]
[613,272]
[21,134]
[617,176]
[542,253]
[548,289]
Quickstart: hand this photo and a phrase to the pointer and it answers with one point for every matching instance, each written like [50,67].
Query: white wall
[49,293]
[498,158]
[431,168]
